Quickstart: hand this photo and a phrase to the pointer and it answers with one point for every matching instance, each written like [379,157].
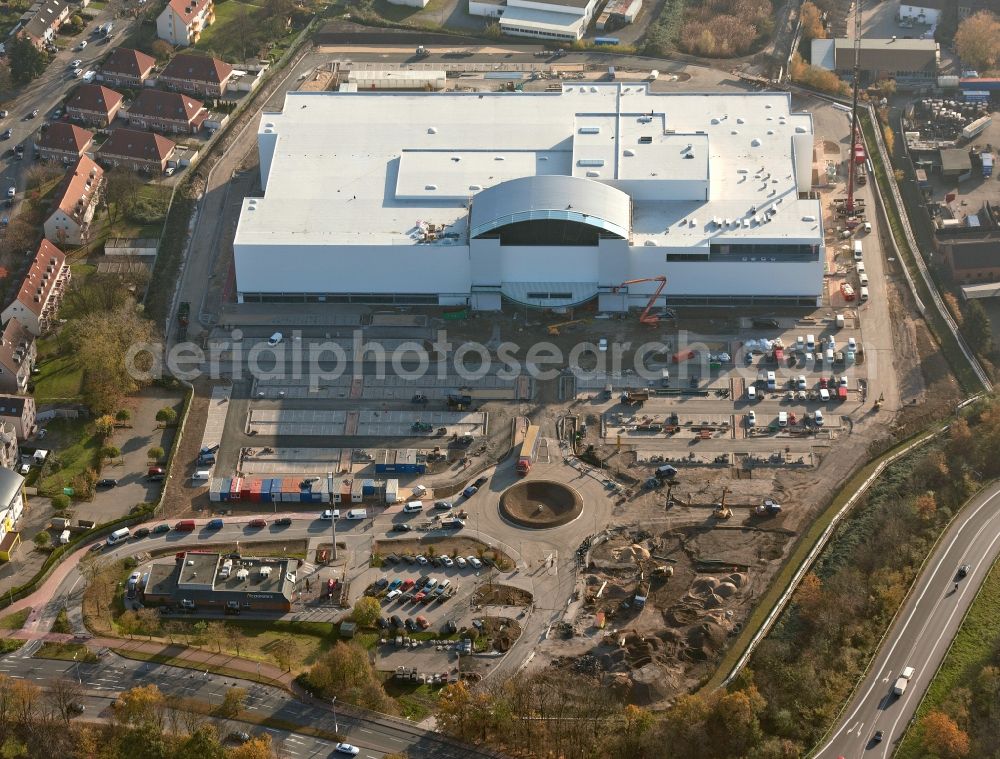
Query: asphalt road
[921,635]
[104,680]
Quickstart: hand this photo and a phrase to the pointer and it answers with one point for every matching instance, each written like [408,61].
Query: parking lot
[336,423]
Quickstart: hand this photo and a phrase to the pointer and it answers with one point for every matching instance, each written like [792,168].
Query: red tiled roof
[134,143]
[94,98]
[166,105]
[188,9]
[39,278]
[197,68]
[63,136]
[79,187]
[127,62]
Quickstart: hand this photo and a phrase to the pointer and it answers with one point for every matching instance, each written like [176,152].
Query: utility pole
[333,522]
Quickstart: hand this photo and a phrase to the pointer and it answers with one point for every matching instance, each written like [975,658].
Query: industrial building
[565,20]
[216,582]
[910,62]
[546,199]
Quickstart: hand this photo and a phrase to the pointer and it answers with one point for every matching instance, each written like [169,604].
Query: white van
[118,536]
[771,381]
[857,250]
[357,514]
[782,418]
[818,418]
[864,294]
[864,279]
[412,507]
[665,377]
[824,394]
[829,355]
[859,267]
[751,393]
[810,343]
[64,537]
[201,475]
[800,343]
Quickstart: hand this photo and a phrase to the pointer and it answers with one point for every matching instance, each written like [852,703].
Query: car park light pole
[336,726]
[333,517]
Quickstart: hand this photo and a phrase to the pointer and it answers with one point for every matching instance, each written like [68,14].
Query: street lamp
[333,703]
[79,677]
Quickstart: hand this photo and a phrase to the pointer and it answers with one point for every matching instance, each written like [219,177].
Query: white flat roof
[547,21]
[371,168]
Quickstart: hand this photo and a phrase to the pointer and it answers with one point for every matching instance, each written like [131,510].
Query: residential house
[63,142]
[42,21]
[182,21]
[10,451]
[196,74]
[37,302]
[141,151]
[94,104]
[17,357]
[17,412]
[12,503]
[126,68]
[75,204]
[166,112]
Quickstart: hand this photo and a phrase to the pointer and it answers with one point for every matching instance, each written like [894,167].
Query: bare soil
[495,594]
[537,504]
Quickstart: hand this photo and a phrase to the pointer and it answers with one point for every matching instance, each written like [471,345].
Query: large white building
[544,199]
[543,19]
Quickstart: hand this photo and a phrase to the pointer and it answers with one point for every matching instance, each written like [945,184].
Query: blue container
[368,487]
[224,490]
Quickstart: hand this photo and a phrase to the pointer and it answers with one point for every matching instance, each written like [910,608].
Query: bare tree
[63,694]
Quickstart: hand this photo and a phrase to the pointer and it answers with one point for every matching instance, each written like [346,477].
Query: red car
[424,624]
[822,382]
[419,597]
[407,584]
[257,524]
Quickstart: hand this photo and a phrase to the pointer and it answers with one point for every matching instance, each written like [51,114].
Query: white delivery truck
[357,514]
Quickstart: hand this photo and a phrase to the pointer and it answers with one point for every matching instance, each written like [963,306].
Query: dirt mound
[739,579]
[703,586]
[725,589]
[705,640]
[651,684]
[540,504]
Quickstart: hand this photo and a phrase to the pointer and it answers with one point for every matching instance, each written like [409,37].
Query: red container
[235,489]
[255,488]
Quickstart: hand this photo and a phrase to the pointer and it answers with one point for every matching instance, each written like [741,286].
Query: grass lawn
[74,443]
[59,378]
[416,700]
[9,645]
[223,39]
[9,14]
[66,652]
[973,648]
[97,5]
[14,621]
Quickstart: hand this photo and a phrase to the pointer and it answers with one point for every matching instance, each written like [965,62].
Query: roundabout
[540,504]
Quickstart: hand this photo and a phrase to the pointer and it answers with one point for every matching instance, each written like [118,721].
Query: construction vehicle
[459,402]
[769,508]
[647,317]
[858,156]
[554,328]
[721,511]
[635,397]
[879,402]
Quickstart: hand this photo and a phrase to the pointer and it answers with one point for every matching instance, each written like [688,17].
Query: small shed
[348,629]
[955,162]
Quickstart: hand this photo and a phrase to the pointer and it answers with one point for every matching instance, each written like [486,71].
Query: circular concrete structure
[539,504]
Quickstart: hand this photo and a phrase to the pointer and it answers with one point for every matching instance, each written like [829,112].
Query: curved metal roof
[10,486]
[551,197]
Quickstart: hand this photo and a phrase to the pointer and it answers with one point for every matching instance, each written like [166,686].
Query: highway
[920,637]
[104,680]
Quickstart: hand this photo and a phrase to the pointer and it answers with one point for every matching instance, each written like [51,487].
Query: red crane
[857,143]
[646,317]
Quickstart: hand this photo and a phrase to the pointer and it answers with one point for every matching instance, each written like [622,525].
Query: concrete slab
[218,409]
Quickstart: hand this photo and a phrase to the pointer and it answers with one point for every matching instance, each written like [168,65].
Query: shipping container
[357,491]
[215,491]
[368,488]
[236,489]
[391,491]
[245,485]
[227,484]
[399,462]
[265,491]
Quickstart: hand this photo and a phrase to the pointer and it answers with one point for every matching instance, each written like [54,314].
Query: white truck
[902,681]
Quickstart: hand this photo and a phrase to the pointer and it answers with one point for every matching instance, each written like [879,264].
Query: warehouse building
[547,199]
[198,580]
[910,62]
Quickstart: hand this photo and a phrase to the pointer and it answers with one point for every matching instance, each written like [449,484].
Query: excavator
[721,510]
[554,328]
[647,317]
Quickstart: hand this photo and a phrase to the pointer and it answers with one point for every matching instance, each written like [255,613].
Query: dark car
[762,323]
[215,524]
[409,624]
[107,482]
[400,527]
[238,736]
[161,528]
[283,522]
[383,623]
[381,582]
[451,627]
[396,621]
[76,708]
[480,482]
[879,735]
[141,532]
[964,570]
[96,547]
[7,134]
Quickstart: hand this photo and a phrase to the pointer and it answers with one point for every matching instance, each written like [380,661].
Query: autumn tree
[284,652]
[233,701]
[256,748]
[162,50]
[812,22]
[926,505]
[976,326]
[202,743]
[977,41]
[346,672]
[148,621]
[235,638]
[366,611]
[941,736]
[166,416]
[62,694]
[26,61]
[156,453]
[139,705]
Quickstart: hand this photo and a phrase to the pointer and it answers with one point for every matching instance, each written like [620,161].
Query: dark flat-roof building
[217,582]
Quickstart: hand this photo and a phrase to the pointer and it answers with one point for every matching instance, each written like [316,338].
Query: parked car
[447,561]
[400,527]
[257,524]
[141,532]
[395,584]
[422,560]
[238,736]
[409,624]
[443,505]
[346,748]
[461,562]
[107,482]
[407,584]
[381,582]
[215,524]
[160,528]
[423,623]
[275,339]
[283,522]
[396,621]
[474,562]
